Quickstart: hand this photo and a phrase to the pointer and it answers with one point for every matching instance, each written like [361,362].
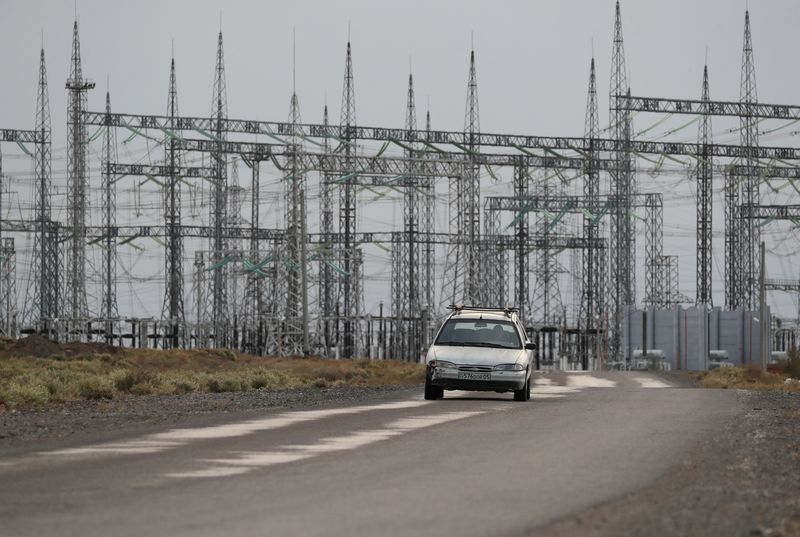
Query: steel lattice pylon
[350,287]
[654,282]
[8,288]
[108,274]
[294,327]
[173,308]
[406,280]
[327,256]
[219,114]
[77,309]
[705,175]
[45,263]
[462,277]
[234,280]
[592,288]
[747,230]
[621,274]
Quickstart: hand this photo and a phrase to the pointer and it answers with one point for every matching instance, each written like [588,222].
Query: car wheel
[523,394]
[432,392]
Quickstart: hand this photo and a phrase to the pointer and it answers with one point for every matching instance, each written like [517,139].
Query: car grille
[475,368]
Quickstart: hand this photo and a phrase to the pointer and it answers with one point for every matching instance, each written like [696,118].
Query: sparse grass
[30,381]
[750,377]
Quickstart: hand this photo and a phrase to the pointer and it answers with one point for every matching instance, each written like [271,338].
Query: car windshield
[479,333]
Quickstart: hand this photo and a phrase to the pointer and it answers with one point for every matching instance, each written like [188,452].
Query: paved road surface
[469,465]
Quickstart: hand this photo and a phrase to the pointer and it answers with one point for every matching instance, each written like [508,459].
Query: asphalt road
[471,464]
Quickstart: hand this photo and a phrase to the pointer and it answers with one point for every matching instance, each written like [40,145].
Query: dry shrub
[26,390]
[95,388]
[98,373]
[791,365]
[749,377]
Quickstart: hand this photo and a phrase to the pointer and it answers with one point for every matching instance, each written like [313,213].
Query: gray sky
[532,63]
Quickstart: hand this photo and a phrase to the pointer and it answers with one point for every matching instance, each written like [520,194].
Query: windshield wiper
[452,343]
[490,345]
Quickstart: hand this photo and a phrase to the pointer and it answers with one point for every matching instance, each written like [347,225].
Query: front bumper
[500,381]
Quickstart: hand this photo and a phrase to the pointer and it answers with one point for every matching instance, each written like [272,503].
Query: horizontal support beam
[21,136]
[771,212]
[120,169]
[458,138]
[714,108]
[789,286]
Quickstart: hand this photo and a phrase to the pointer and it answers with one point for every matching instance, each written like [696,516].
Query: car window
[479,333]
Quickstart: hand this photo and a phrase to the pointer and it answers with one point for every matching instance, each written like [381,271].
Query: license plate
[464,375]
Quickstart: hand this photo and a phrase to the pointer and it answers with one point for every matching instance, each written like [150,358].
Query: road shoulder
[742,481]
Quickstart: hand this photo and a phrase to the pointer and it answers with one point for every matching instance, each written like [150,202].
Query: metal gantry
[292,290]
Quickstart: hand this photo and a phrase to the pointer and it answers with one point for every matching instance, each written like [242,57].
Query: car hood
[476,355]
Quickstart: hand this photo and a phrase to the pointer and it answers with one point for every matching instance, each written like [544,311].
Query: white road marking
[155,443]
[647,382]
[585,380]
[249,461]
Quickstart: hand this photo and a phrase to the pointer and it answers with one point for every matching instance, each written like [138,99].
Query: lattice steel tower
[351,284]
[173,308]
[219,192]
[77,87]
[591,301]
[405,250]
[45,262]
[327,254]
[621,244]
[749,232]
[108,304]
[462,281]
[705,167]
[294,196]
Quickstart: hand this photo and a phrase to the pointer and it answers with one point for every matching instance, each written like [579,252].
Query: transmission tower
[428,227]
[235,220]
[45,262]
[405,252]
[620,289]
[592,296]
[522,257]
[705,167]
[173,307]
[655,277]
[294,327]
[219,192]
[108,307]
[461,282]
[547,300]
[77,309]
[327,255]
[8,269]
[749,232]
[351,287]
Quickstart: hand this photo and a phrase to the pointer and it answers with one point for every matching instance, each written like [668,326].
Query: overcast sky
[532,62]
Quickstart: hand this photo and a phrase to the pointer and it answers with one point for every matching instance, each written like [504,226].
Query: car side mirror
[530,346]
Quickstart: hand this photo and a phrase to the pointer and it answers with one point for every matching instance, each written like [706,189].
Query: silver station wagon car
[484,349]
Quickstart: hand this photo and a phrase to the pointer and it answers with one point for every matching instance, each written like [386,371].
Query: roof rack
[508,310]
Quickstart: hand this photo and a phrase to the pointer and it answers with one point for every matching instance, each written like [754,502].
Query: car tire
[528,389]
[432,392]
[523,394]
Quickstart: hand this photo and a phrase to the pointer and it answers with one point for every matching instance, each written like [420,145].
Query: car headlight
[509,367]
[442,364]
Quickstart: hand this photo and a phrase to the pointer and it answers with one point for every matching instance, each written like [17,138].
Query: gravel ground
[82,421]
[744,481]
